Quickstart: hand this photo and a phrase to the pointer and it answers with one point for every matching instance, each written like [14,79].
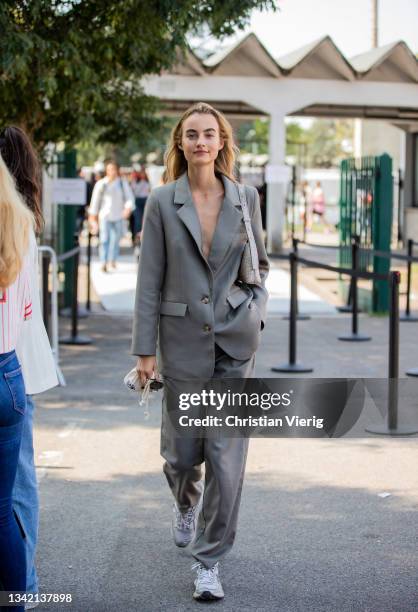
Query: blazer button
[206,327]
[205,299]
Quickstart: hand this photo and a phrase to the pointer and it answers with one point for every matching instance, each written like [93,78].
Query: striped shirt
[15,308]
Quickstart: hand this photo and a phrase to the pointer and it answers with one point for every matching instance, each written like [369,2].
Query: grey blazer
[184,303]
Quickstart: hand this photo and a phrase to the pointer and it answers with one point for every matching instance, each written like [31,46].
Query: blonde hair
[176,163]
[15,222]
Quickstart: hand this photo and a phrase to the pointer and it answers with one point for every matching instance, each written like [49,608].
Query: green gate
[67,168]
[366,203]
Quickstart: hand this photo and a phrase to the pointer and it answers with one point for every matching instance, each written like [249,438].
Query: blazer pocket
[237,297]
[175,309]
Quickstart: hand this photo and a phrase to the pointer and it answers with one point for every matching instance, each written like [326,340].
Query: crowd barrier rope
[348,306]
[409,257]
[299,316]
[83,311]
[293,366]
[74,337]
[392,427]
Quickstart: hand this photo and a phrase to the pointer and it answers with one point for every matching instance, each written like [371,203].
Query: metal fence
[366,210]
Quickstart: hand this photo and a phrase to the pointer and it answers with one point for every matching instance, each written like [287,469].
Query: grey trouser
[224,460]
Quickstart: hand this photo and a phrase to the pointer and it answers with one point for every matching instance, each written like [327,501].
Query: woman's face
[200,139]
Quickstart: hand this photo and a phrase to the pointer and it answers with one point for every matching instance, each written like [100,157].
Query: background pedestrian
[112,202]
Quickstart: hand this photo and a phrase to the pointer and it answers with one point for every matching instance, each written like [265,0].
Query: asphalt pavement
[325,525]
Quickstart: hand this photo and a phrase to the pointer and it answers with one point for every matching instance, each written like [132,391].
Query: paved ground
[116,289]
[317,530]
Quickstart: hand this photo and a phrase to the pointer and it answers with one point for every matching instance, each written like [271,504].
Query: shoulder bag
[249,270]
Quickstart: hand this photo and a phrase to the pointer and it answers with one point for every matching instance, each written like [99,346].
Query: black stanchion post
[293,366]
[354,336]
[400,187]
[348,307]
[408,281]
[392,428]
[408,316]
[299,317]
[305,213]
[88,301]
[293,200]
[75,338]
[46,305]
[354,318]
[82,312]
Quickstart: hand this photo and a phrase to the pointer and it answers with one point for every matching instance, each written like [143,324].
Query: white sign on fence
[69,191]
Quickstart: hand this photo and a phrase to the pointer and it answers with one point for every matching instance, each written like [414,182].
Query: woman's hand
[146,367]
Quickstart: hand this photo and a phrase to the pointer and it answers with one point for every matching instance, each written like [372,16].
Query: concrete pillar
[358,138]
[410,208]
[276,183]
[402,168]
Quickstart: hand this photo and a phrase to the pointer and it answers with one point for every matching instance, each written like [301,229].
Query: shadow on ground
[299,547]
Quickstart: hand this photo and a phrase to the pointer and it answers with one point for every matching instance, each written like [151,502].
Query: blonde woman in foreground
[16,222]
[207,322]
[33,349]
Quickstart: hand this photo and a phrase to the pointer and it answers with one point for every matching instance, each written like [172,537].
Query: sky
[348,22]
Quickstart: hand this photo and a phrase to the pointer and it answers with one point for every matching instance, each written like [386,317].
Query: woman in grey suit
[193,319]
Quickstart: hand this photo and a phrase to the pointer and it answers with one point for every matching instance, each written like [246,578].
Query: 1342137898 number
[26,598]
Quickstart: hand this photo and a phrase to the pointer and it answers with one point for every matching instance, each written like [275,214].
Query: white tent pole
[276,184]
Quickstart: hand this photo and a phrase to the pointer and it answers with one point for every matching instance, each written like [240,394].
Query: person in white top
[112,201]
[32,347]
[15,310]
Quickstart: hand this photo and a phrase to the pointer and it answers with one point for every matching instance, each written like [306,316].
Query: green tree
[328,141]
[73,67]
[253,133]
[322,145]
[89,149]
[257,131]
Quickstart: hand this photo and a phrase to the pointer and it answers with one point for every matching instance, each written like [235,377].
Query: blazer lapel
[229,221]
[187,212]
[229,218]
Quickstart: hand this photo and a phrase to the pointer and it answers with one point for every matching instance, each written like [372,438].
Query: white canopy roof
[245,81]
[320,59]
[393,62]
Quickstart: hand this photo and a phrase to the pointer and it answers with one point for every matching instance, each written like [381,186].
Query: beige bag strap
[253,248]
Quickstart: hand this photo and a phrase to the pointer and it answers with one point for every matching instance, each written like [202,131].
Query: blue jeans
[139,213]
[12,414]
[25,496]
[110,235]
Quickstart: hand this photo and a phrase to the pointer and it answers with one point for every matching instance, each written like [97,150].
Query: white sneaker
[207,584]
[183,525]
